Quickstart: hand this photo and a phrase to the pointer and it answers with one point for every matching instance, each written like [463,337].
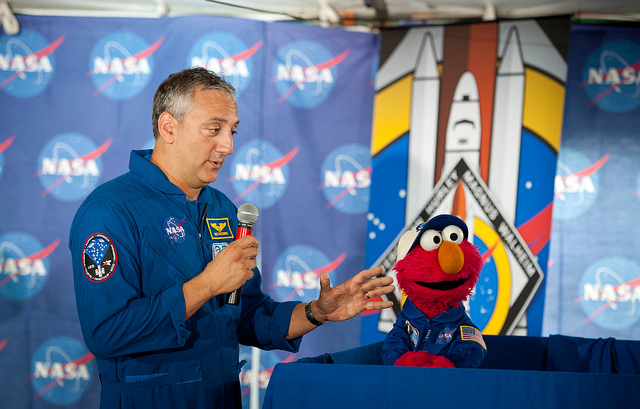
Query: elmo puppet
[437,269]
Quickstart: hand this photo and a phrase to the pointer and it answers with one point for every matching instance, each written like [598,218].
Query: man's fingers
[377,282]
[365,275]
[377,292]
[324,280]
[378,286]
[246,242]
[378,305]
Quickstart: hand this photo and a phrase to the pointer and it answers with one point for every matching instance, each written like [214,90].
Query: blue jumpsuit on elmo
[450,334]
[134,242]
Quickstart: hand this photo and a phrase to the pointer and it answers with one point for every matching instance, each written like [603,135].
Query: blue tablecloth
[310,386]
[519,372]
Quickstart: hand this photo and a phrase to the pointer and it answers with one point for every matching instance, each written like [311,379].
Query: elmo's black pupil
[436,239]
[454,237]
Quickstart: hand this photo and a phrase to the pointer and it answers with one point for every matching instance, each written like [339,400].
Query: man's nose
[225,143]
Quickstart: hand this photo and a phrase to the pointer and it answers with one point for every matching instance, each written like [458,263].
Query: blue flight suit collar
[140,164]
[451,314]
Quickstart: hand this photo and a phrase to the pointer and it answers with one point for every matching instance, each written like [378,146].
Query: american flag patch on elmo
[472,334]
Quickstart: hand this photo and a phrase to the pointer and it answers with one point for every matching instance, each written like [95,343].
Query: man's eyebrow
[216,119]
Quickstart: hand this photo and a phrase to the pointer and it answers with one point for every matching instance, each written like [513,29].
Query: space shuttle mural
[467,121]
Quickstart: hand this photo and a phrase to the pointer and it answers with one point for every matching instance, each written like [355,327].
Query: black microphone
[247,216]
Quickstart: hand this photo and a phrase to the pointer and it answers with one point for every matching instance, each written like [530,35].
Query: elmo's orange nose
[450,257]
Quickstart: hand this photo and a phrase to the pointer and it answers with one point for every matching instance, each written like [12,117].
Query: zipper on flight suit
[204,213]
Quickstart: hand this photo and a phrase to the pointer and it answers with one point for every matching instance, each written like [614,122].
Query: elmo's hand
[424,359]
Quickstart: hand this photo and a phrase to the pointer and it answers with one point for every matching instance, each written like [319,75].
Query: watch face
[99,258]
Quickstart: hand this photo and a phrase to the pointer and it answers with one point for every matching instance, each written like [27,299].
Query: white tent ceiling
[367,13]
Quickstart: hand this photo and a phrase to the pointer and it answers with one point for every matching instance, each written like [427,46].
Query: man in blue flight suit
[154,256]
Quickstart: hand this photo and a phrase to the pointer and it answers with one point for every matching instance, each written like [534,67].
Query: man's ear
[166,125]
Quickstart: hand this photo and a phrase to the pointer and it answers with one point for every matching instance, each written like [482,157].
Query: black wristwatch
[310,317]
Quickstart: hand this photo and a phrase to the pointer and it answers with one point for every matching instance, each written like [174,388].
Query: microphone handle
[233,298]
[244,229]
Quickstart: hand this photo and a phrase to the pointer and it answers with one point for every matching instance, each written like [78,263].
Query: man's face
[205,137]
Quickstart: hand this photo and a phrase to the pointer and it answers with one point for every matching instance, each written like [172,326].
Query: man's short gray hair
[175,94]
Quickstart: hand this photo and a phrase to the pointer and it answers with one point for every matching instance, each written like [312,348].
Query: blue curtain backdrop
[75,97]
[594,265]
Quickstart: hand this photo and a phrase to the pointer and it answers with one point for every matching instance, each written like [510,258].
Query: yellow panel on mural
[392,113]
[543,107]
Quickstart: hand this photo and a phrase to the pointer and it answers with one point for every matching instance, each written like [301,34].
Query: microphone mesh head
[247,213]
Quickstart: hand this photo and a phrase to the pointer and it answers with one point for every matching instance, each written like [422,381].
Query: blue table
[518,372]
[310,386]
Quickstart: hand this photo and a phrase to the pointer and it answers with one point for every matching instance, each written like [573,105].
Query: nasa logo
[61,370]
[611,76]
[216,248]
[99,257]
[70,166]
[226,55]
[3,147]
[297,272]
[304,73]
[121,65]
[576,184]
[261,173]
[446,335]
[24,267]
[29,63]
[173,230]
[609,290]
[346,175]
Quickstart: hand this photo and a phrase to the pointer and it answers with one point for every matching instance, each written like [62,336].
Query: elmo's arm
[467,353]
[396,343]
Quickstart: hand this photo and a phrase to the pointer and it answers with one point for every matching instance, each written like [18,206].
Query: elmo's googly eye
[430,240]
[453,233]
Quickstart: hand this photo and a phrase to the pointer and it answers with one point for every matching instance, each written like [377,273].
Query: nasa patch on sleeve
[99,257]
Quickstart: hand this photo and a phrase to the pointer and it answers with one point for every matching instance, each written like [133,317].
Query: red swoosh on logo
[243,55]
[35,256]
[275,164]
[332,62]
[4,145]
[324,269]
[88,156]
[327,64]
[45,51]
[142,54]
[591,169]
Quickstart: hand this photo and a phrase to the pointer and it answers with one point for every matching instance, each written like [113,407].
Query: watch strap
[310,317]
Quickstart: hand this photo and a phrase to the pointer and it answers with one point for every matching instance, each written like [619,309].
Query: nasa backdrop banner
[76,97]
[594,266]
[467,121]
